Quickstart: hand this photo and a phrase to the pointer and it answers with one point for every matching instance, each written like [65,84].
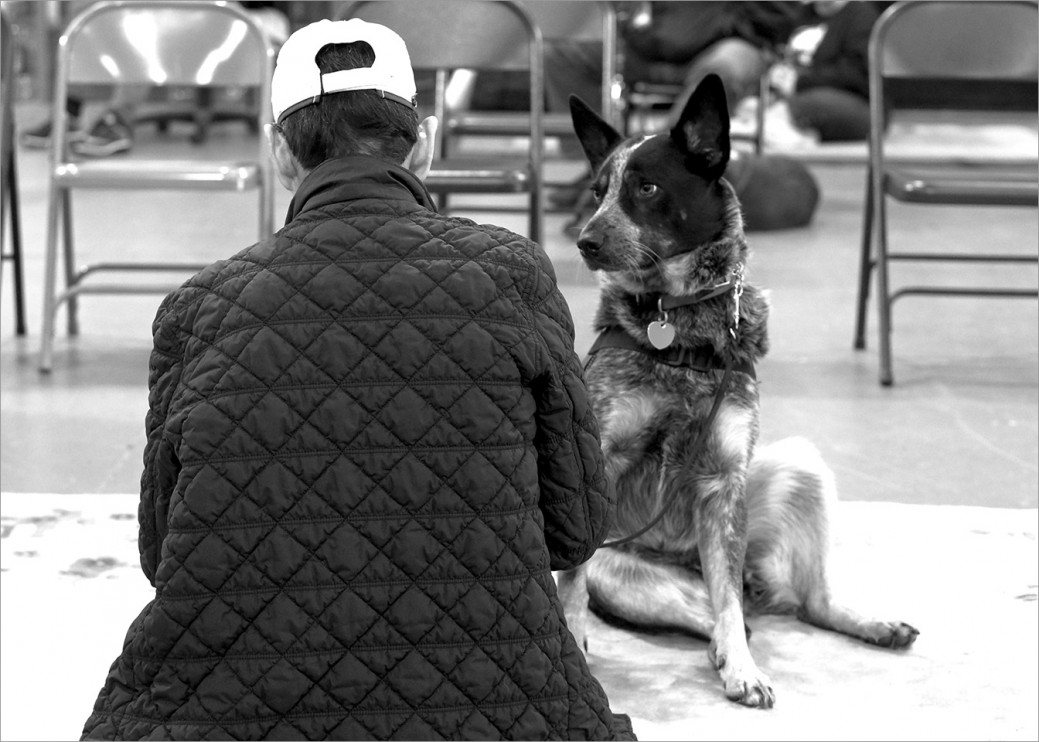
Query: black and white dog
[674,390]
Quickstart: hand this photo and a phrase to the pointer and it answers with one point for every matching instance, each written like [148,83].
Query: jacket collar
[357,177]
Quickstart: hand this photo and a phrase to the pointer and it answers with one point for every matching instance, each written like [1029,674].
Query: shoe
[109,136]
[782,134]
[39,137]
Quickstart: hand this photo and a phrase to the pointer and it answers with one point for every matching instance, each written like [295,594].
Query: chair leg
[72,304]
[50,279]
[11,205]
[883,290]
[266,206]
[535,216]
[865,266]
[16,245]
[764,99]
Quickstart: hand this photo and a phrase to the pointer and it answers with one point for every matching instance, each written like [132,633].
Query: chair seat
[478,175]
[968,185]
[161,174]
[498,123]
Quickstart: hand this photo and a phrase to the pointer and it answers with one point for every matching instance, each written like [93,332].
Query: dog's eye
[596,193]
[648,190]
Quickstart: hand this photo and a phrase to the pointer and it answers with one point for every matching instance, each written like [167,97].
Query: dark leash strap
[700,359]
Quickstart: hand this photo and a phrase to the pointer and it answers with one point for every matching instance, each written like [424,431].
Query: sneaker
[109,136]
[39,137]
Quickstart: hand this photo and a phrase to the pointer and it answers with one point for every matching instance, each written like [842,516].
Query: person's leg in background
[837,115]
[737,62]
[112,129]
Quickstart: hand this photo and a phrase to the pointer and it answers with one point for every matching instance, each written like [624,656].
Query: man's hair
[356,122]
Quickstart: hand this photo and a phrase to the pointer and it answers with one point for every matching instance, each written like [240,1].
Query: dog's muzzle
[590,244]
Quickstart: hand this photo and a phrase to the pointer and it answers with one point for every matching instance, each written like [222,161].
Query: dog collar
[667,301]
[702,358]
[661,333]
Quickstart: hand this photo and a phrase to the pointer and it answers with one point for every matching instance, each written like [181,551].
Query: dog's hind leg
[649,594]
[790,492]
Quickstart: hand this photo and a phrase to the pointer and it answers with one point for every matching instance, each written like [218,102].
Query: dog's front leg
[573,594]
[722,536]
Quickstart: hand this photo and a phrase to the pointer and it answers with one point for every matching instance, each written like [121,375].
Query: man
[369,444]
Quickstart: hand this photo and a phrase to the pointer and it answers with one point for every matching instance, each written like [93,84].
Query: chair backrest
[159,43]
[457,34]
[166,43]
[465,34]
[581,20]
[957,55]
[162,43]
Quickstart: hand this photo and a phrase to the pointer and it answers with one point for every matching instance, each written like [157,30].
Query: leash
[718,396]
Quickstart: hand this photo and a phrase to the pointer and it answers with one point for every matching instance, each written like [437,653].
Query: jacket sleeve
[160,462]
[574,497]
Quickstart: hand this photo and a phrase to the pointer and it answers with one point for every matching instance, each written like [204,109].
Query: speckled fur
[744,524]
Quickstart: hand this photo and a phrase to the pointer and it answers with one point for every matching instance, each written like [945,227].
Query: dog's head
[657,196]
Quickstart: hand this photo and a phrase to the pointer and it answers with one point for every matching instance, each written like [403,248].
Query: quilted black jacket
[368,446]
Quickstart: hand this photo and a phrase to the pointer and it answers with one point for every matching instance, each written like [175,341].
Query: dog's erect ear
[597,137]
[702,131]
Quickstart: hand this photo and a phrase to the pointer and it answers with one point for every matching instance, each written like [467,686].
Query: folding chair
[159,44]
[9,184]
[448,35]
[570,20]
[640,99]
[946,59]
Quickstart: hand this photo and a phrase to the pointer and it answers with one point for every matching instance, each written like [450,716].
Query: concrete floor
[960,427]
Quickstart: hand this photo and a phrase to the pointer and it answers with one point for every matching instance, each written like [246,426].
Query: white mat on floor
[966,577]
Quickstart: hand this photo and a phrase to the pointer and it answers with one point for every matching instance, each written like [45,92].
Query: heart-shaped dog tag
[661,334]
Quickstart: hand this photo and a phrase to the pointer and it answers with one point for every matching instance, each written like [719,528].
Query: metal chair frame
[913,42]
[101,47]
[9,201]
[579,20]
[447,35]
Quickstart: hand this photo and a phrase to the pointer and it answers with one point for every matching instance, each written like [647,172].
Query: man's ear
[421,157]
[290,173]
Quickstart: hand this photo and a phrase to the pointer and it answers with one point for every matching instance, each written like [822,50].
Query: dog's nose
[589,243]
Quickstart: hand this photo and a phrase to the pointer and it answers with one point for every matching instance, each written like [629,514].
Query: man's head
[345,88]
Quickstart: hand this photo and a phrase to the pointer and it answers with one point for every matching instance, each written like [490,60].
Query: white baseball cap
[298,82]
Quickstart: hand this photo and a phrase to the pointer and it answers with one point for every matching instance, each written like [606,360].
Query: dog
[704,521]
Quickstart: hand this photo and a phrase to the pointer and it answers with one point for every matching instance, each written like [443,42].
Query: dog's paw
[756,694]
[746,685]
[894,635]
